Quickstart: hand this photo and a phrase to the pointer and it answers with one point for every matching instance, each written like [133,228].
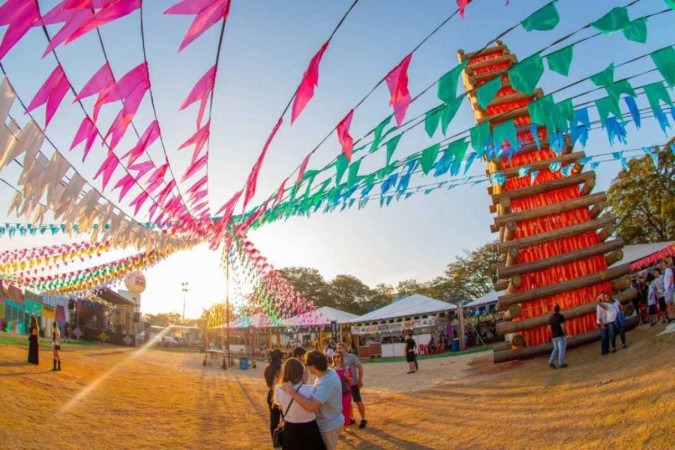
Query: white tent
[490,297]
[320,317]
[413,305]
[634,253]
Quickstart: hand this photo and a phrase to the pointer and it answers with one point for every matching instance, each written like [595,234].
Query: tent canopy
[490,297]
[633,253]
[413,305]
[321,316]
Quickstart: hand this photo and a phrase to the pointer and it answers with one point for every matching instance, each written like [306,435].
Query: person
[272,374]
[325,401]
[651,299]
[610,321]
[301,430]
[352,361]
[56,334]
[409,351]
[347,379]
[641,297]
[601,320]
[330,351]
[66,331]
[431,346]
[557,324]
[659,281]
[34,342]
[669,286]
[299,354]
[620,319]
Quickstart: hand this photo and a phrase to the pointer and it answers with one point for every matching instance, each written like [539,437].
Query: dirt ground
[112,397]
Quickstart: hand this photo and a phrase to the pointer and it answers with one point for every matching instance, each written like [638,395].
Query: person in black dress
[34,342]
[272,375]
[410,356]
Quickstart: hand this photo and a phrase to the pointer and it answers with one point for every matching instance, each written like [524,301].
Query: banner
[394,327]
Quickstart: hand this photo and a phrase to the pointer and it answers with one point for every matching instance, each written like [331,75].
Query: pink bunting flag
[303,168]
[280,192]
[118,128]
[138,201]
[397,82]
[164,193]
[462,4]
[126,182]
[21,16]
[158,173]
[133,83]
[86,131]
[150,135]
[142,168]
[152,211]
[346,141]
[154,185]
[52,92]
[107,168]
[199,140]
[208,13]
[194,167]
[198,196]
[198,185]
[72,19]
[111,11]
[201,92]
[253,176]
[229,205]
[309,81]
[101,82]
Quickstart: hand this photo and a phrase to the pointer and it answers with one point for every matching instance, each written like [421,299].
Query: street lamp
[184,288]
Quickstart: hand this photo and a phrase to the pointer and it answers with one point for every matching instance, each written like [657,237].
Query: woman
[56,334]
[346,375]
[410,356]
[272,373]
[301,432]
[34,342]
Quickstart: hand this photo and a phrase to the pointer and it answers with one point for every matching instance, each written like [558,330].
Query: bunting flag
[561,60]
[253,176]
[201,92]
[199,140]
[150,135]
[397,82]
[88,132]
[310,80]
[461,5]
[664,60]
[51,93]
[110,11]
[544,19]
[107,168]
[636,31]
[131,89]
[303,168]
[615,20]
[207,13]
[21,16]
[71,16]
[346,141]
[525,75]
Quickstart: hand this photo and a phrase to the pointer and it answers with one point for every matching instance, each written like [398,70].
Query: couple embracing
[312,414]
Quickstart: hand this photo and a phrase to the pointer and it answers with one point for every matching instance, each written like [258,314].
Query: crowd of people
[34,344]
[304,416]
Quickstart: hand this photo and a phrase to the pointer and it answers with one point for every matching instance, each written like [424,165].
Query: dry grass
[109,397]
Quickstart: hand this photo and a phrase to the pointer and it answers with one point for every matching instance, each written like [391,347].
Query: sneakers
[352,421]
[625,345]
[551,365]
[363,423]
[563,366]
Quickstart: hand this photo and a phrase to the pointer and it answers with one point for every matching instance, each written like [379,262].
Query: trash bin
[455,345]
[243,363]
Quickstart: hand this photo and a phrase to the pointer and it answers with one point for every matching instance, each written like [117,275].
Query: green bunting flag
[619,87]
[670,3]
[560,60]
[605,106]
[378,133]
[391,146]
[657,92]
[605,77]
[428,158]
[449,113]
[561,115]
[456,150]
[487,91]
[526,74]
[431,120]
[340,167]
[505,131]
[447,85]
[615,20]
[540,109]
[543,19]
[479,136]
[665,62]
[353,176]
[636,31]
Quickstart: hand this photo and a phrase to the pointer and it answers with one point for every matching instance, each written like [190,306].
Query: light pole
[184,288]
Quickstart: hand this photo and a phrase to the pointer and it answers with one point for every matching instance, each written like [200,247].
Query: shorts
[410,357]
[670,296]
[662,303]
[652,309]
[57,347]
[356,393]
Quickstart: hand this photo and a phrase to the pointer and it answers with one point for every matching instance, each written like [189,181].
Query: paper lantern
[135,282]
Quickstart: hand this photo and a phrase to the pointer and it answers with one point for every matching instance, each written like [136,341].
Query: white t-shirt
[296,413]
[611,312]
[668,279]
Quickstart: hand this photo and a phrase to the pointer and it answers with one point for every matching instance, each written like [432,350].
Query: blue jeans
[611,328]
[604,340]
[619,329]
[559,346]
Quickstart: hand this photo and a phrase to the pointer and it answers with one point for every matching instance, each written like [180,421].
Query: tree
[642,198]
[310,284]
[473,275]
[382,295]
[350,294]
[408,287]
[163,319]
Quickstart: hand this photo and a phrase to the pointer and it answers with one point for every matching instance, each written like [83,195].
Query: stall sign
[33,307]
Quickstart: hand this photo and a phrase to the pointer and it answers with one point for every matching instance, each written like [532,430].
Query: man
[353,362]
[326,401]
[409,351]
[557,324]
[620,318]
[601,320]
[669,286]
[660,289]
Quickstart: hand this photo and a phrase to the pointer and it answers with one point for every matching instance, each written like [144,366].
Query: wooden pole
[545,187]
[549,210]
[460,319]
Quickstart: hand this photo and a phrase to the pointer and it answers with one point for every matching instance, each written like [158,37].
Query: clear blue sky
[267,46]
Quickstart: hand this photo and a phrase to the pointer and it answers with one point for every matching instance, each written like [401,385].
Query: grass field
[112,397]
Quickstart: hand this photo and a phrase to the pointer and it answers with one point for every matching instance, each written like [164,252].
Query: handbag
[278,433]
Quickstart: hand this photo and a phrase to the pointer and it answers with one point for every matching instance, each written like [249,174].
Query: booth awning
[113,297]
[413,305]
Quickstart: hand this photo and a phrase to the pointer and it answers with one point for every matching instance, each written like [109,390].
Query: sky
[266,48]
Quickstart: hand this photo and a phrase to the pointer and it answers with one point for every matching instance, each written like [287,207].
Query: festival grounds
[112,397]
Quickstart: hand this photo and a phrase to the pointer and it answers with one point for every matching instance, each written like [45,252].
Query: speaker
[137,317]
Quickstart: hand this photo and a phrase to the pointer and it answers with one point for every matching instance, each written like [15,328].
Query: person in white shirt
[659,282]
[651,299]
[669,287]
[601,319]
[301,430]
[620,319]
